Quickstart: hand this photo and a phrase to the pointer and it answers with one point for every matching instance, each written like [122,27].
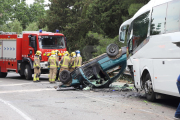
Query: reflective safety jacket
[65,62]
[52,62]
[78,62]
[57,59]
[36,61]
[72,63]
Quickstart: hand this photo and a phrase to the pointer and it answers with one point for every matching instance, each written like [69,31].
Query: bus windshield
[51,42]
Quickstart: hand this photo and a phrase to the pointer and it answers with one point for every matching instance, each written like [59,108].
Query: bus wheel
[3,75]
[28,72]
[148,88]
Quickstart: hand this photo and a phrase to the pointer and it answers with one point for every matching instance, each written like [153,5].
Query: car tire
[3,74]
[148,88]
[65,76]
[112,50]
[28,72]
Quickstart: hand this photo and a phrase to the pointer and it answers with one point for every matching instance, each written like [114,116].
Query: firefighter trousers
[52,74]
[37,72]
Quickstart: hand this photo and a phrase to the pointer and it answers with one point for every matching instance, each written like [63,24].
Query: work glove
[48,68]
[58,68]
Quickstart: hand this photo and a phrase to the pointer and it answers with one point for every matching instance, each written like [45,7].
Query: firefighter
[58,54]
[52,66]
[64,64]
[37,68]
[72,62]
[78,59]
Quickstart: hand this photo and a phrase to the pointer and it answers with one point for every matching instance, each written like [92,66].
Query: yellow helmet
[72,54]
[67,53]
[38,52]
[53,52]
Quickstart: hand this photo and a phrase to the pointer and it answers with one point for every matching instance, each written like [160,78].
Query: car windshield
[51,42]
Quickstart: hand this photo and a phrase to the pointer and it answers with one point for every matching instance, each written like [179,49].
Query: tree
[6,10]
[133,8]
[21,13]
[34,27]
[36,10]
[14,26]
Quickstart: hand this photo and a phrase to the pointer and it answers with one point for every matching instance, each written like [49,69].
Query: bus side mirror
[121,37]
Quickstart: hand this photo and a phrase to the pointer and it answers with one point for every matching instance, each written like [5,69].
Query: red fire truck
[17,53]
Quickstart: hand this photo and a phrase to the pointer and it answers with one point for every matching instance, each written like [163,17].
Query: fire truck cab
[17,52]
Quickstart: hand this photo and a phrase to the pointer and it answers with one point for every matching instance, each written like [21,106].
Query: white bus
[153,43]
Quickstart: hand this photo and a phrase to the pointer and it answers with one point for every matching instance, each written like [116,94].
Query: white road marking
[16,109]
[20,91]
[15,84]
[21,84]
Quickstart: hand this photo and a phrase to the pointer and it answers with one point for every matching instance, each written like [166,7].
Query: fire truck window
[140,29]
[51,42]
[172,19]
[158,19]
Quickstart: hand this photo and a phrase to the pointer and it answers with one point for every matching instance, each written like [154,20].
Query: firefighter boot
[34,79]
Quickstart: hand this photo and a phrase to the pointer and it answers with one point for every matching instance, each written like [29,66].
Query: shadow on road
[23,79]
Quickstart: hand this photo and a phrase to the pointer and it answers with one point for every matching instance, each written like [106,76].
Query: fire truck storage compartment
[9,51]
[8,55]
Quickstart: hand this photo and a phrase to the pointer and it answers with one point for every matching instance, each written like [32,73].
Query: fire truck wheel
[112,50]
[28,72]
[3,75]
[65,76]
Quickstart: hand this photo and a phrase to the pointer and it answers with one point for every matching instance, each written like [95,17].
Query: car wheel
[148,88]
[3,75]
[112,50]
[28,72]
[65,76]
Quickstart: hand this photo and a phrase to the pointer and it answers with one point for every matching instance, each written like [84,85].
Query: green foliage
[103,42]
[6,10]
[21,12]
[14,26]
[134,8]
[36,10]
[32,27]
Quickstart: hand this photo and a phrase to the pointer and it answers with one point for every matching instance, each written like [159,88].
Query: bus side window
[140,29]
[172,18]
[158,19]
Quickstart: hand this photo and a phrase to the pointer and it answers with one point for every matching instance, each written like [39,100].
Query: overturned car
[97,72]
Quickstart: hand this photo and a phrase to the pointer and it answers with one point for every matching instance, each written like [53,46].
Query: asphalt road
[24,100]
